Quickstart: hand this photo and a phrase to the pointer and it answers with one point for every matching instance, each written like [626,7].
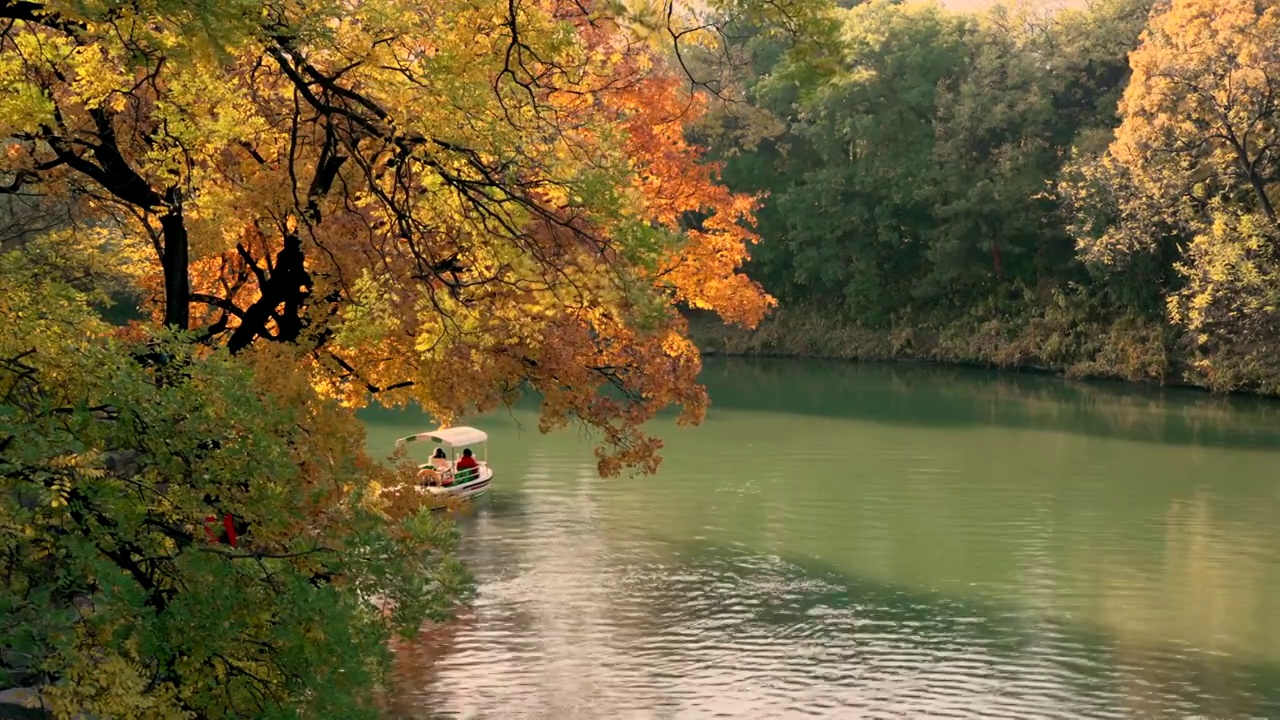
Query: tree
[117,597]
[444,204]
[909,182]
[993,152]
[1194,163]
[438,204]
[850,206]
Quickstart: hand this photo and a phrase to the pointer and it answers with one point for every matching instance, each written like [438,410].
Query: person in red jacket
[467,467]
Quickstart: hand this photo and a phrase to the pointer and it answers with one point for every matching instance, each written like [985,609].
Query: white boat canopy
[453,437]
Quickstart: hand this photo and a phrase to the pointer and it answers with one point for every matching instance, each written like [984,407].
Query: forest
[1088,190]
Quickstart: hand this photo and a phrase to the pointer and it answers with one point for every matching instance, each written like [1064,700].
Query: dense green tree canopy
[917,175]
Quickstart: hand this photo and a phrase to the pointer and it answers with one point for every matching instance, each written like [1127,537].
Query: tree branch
[37,14]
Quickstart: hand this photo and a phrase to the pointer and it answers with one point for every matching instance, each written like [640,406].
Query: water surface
[850,541]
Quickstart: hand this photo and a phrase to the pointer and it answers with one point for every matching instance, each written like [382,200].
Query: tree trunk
[177,287]
[1255,181]
[1260,189]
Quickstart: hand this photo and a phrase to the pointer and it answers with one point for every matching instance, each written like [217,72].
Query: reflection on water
[942,396]
[863,541]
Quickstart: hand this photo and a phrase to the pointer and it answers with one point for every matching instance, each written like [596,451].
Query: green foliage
[114,451]
[916,179]
[945,189]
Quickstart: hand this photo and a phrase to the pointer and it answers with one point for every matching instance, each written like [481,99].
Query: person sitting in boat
[440,461]
[467,467]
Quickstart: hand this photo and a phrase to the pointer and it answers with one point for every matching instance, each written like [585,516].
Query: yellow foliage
[436,202]
[103,684]
[1193,166]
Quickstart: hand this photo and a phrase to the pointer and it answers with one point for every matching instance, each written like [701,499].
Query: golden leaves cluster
[1195,165]
[516,203]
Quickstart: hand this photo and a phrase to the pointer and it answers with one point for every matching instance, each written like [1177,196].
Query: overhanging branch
[38,14]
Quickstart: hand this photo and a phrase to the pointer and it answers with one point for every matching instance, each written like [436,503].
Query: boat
[442,480]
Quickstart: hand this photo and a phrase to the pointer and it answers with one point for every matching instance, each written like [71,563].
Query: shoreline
[802,333]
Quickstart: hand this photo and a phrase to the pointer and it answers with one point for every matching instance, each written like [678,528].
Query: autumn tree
[438,203]
[1195,163]
[446,204]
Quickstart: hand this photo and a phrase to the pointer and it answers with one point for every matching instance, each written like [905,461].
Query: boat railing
[450,475]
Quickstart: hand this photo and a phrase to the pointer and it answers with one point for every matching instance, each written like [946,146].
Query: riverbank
[1057,341]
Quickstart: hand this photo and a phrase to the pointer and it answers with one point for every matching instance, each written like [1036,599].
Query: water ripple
[965,581]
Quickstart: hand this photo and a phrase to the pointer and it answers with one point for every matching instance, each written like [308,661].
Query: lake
[851,540]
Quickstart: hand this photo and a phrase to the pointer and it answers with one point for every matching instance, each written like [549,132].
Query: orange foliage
[441,214]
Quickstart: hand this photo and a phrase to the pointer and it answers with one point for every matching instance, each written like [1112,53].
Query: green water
[855,541]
